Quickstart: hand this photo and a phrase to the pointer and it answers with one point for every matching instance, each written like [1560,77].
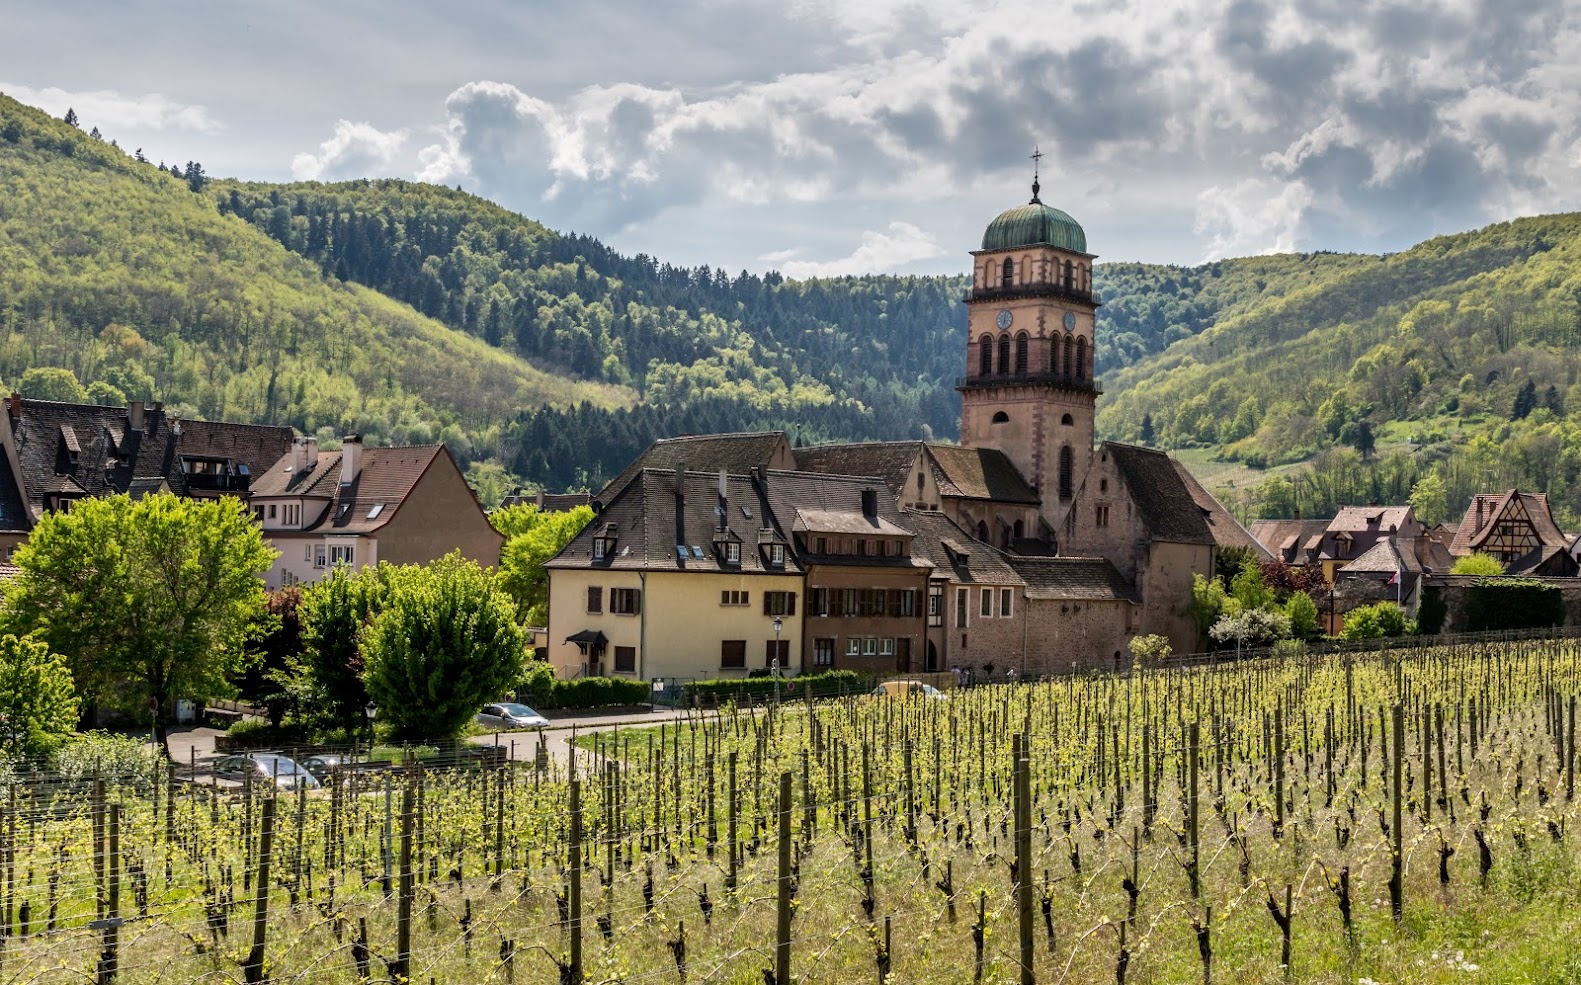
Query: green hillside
[118,272]
[1456,359]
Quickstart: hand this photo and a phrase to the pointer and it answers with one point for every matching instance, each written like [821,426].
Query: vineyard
[1402,816]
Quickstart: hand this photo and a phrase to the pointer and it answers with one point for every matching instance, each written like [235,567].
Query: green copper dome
[1034,224]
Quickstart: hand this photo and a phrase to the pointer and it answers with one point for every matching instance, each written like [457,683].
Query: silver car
[509,715]
[266,767]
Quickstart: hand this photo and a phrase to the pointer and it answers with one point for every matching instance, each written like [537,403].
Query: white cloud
[113,111]
[356,150]
[1253,216]
[901,244]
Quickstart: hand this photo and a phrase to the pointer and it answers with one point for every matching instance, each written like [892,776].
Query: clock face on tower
[1003,318]
[1070,321]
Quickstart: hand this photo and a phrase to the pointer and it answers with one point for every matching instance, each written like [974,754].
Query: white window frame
[886,646]
[853,646]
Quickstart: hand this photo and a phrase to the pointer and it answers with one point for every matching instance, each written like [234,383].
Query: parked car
[266,767]
[508,715]
[322,764]
[908,689]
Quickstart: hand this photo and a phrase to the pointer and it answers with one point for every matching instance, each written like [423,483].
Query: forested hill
[1434,373]
[411,312]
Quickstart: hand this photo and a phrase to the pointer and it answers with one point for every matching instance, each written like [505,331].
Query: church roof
[1034,224]
[980,473]
[1089,578]
[1173,504]
[738,453]
[956,555]
[890,461]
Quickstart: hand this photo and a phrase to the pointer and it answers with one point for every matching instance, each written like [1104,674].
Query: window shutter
[636,601]
[790,603]
[768,603]
[595,599]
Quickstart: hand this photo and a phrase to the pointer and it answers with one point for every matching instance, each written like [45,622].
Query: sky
[828,137]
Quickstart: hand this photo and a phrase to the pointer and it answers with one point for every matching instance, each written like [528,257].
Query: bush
[258,732]
[1477,564]
[117,758]
[597,692]
[1513,603]
[1370,622]
[826,684]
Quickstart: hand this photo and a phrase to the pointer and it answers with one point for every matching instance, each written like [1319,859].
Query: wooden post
[1397,834]
[574,896]
[731,832]
[400,968]
[253,967]
[110,960]
[1023,888]
[1193,750]
[782,941]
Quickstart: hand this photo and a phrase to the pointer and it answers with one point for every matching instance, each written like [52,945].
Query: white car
[509,715]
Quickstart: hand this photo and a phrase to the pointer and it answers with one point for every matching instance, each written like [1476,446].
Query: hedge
[827,684]
[1513,603]
[597,692]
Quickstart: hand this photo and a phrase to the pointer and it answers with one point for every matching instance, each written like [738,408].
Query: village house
[57,453]
[358,506]
[1519,530]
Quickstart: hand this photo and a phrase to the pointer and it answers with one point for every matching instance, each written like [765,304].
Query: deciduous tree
[148,600]
[446,642]
[38,704]
[537,538]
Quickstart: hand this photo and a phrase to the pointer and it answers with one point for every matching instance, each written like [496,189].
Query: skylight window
[680,551]
[746,511]
[375,510]
[697,552]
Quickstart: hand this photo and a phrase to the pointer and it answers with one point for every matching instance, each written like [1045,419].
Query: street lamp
[370,710]
[774,666]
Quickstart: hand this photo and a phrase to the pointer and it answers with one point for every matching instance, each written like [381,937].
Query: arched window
[1004,355]
[1081,359]
[1020,530]
[982,531]
[1054,362]
[1009,271]
[1067,420]
[1069,361]
[986,352]
[1069,279]
[1065,472]
[1021,353]
[999,418]
[1004,537]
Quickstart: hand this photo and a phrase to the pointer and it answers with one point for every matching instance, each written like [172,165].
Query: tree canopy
[147,600]
[532,538]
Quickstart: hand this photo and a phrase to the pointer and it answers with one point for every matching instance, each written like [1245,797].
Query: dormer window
[777,554]
[732,552]
[602,548]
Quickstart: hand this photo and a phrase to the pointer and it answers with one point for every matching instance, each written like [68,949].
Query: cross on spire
[1037,160]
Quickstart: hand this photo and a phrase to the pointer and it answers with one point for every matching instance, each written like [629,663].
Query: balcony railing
[212,482]
[987,380]
[1050,290]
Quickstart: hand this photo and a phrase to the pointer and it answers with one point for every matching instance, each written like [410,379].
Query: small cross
[1037,159]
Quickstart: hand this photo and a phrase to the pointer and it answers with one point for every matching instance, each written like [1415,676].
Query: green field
[903,841]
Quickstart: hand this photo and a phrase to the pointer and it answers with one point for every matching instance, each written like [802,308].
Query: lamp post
[774,666]
[370,710]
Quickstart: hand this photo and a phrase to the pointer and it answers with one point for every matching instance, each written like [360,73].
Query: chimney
[350,458]
[16,404]
[304,454]
[1298,512]
[870,503]
[134,414]
[539,499]
[724,499]
[680,479]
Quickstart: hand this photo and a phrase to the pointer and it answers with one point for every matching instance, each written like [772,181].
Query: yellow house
[682,575]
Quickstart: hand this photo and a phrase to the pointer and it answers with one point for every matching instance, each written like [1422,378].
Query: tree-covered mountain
[1452,364]
[411,312]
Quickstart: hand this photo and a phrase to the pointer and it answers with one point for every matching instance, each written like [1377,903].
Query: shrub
[1513,603]
[1251,627]
[116,758]
[1477,564]
[597,692]
[828,683]
[1370,622]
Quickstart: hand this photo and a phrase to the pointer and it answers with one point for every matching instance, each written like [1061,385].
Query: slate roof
[1382,558]
[648,522]
[1281,536]
[319,481]
[955,554]
[92,450]
[1089,578]
[844,522]
[1471,534]
[1366,519]
[794,493]
[1173,504]
[737,453]
[890,461]
[980,473]
[549,502]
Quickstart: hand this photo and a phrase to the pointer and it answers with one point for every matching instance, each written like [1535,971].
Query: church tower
[1029,389]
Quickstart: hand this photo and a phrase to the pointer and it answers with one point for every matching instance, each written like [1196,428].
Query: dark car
[324,763]
[509,715]
[266,767]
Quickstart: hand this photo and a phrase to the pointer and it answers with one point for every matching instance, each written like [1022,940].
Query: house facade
[1519,530]
[358,506]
